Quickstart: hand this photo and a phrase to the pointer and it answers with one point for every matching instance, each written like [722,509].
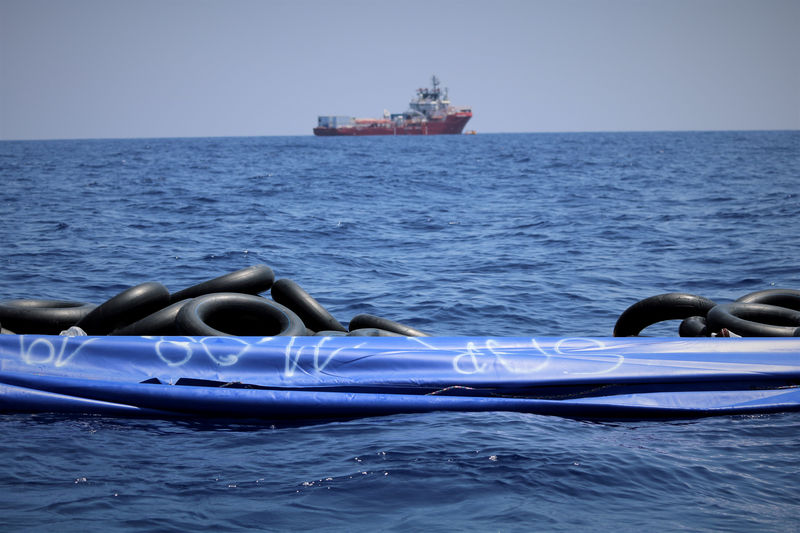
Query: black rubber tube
[371,321]
[310,311]
[373,332]
[330,333]
[670,306]
[236,314]
[45,317]
[125,308]
[162,322]
[754,320]
[789,298]
[251,280]
[693,326]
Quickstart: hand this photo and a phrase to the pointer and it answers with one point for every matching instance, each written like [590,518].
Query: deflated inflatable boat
[279,378]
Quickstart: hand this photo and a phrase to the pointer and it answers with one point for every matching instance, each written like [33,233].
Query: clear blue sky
[173,68]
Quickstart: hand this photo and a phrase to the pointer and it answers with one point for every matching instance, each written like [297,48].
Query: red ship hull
[453,124]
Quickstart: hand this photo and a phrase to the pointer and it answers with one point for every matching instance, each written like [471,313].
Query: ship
[429,113]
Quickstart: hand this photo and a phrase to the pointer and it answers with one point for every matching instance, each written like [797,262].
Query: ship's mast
[429,101]
[439,95]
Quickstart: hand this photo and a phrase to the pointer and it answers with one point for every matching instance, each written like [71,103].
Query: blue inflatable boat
[314,378]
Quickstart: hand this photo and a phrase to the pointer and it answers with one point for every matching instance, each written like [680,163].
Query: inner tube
[125,308]
[789,298]
[330,333]
[371,321]
[373,332]
[251,280]
[162,322]
[236,314]
[46,317]
[693,326]
[310,311]
[754,320]
[670,306]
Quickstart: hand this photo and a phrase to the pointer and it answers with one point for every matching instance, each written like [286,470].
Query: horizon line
[553,132]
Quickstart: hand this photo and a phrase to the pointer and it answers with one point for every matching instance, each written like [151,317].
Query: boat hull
[452,125]
[302,378]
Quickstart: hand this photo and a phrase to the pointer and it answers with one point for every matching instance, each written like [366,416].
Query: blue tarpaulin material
[279,378]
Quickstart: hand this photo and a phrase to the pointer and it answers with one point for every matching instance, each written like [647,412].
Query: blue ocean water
[517,234]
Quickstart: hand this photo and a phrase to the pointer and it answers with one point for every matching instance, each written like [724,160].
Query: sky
[198,68]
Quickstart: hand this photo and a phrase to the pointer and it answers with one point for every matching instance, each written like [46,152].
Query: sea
[545,234]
